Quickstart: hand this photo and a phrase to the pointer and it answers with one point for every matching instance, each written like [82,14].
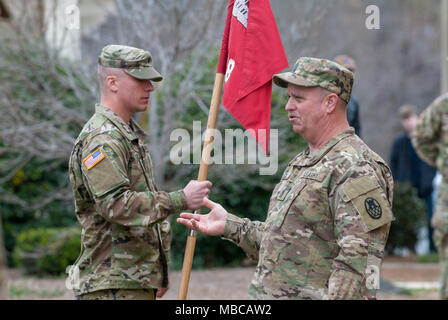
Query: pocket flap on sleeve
[356,187]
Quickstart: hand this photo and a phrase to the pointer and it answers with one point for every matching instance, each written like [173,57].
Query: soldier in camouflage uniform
[430,140]
[329,217]
[125,237]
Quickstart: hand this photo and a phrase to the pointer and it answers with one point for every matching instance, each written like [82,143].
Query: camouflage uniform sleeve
[244,233]
[426,135]
[109,186]
[165,232]
[362,216]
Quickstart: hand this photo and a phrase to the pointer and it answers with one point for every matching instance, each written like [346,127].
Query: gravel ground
[232,283]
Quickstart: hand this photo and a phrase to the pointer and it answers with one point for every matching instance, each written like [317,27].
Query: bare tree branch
[45,99]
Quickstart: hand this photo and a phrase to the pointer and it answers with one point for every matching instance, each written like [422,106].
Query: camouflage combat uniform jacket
[327,225]
[125,239]
[430,140]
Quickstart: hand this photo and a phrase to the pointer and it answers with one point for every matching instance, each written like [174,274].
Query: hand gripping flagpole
[206,153]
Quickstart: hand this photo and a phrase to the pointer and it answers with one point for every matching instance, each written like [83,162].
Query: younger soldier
[125,238]
[330,215]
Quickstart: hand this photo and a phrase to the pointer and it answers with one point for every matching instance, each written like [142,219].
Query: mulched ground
[232,283]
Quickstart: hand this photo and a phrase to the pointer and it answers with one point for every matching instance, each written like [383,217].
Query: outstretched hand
[211,224]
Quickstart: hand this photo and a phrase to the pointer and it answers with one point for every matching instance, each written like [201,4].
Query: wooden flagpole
[203,171]
[206,151]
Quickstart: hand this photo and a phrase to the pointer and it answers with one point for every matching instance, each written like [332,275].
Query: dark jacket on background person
[353,115]
[407,166]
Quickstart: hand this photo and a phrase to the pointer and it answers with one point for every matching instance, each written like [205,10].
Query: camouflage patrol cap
[135,62]
[313,72]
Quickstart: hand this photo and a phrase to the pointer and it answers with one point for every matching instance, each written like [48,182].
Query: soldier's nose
[149,86]
[289,106]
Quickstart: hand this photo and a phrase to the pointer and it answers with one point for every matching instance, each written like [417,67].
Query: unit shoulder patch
[373,208]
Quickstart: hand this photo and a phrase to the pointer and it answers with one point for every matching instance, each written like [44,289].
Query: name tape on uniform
[93,159]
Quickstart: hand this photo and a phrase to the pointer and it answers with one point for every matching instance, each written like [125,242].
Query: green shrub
[246,199]
[410,216]
[432,257]
[35,181]
[47,251]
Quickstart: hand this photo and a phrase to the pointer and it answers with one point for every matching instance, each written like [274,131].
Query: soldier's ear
[112,83]
[330,102]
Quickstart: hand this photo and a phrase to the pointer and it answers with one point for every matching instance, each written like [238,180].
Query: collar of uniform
[138,130]
[124,128]
[308,158]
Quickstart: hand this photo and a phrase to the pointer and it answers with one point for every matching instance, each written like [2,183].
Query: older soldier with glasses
[329,217]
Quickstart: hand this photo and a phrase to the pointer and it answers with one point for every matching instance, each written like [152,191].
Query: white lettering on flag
[230,67]
[241,11]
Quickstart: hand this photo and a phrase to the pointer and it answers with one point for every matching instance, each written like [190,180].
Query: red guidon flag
[251,53]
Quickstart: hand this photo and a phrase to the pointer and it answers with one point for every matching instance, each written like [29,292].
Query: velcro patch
[93,159]
[369,201]
[373,208]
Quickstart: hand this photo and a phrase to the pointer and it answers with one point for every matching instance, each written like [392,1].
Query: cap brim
[283,79]
[146,73]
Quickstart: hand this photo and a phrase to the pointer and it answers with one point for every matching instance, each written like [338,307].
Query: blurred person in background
[406,165]
[353,104]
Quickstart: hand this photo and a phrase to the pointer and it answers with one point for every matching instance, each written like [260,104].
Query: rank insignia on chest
[309,174]
[93,159]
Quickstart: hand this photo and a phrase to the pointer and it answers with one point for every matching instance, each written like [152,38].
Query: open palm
[211,224]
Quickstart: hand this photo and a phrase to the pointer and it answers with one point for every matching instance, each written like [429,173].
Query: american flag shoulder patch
[93,159]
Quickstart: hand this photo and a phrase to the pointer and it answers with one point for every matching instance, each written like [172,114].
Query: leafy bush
[431,257]
[45,101]
[410,216]
[47,250]
[35,181]
[245,198]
